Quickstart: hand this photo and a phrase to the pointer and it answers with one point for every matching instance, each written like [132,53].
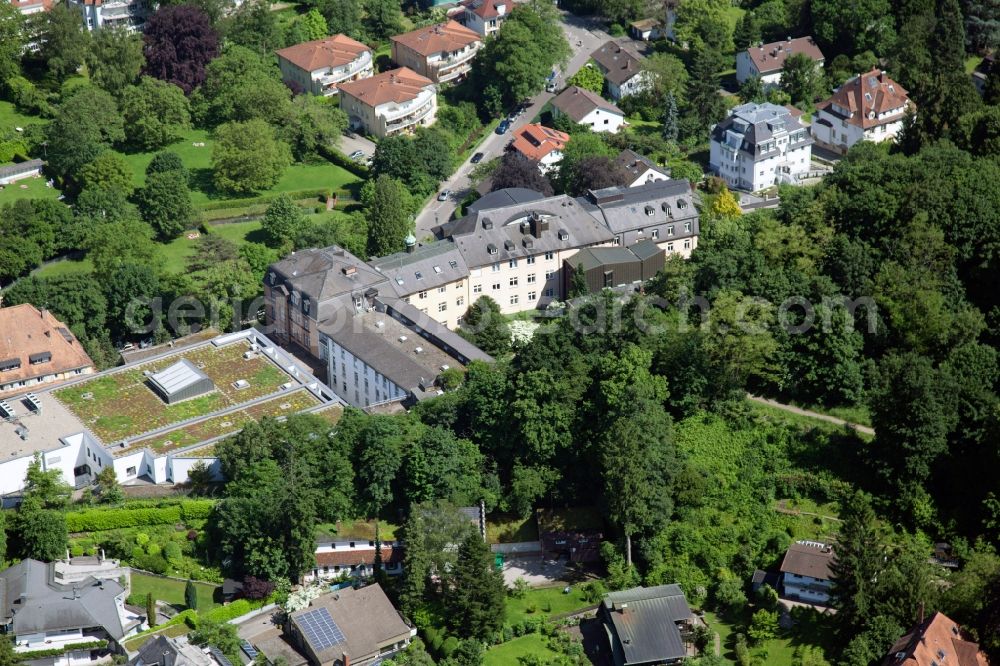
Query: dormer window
[492,249]
[419,275]
[563,235]
[271,277]
[649,211]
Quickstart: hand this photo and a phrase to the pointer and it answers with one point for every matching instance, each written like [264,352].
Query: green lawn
[28,188]
[505,528]
[171,591]
[812,630]
[546,601]
[178,251]
[10,118]
[733,15]
[170,632]
[508,654]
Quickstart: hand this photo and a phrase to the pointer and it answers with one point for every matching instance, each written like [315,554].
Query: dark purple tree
[597,172]
[180,41]
[517,171]
[257,588]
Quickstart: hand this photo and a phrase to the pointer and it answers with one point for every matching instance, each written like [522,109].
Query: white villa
[319,66]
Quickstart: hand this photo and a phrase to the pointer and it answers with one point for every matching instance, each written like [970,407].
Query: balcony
[401,117]
[357,69]
[449,68]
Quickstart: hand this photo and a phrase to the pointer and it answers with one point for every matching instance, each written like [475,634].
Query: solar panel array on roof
[319,629]
[219,657]
[248,649]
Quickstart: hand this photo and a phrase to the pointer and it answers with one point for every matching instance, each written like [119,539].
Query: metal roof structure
[180,380]
[643,624]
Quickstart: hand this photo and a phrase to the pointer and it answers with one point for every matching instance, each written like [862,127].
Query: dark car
[503,126]
[477,158]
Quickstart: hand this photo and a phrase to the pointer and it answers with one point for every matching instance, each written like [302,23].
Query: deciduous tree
[282,222]
[389,217]
[115,59]
[180,42]
[165,203]
[86,125]
[247,157]
[155,113]
[63,41]
[515,170]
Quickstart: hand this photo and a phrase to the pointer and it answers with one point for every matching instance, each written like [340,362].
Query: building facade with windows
[641,169]
[622,69]
[767,61]
[341,558]
[760,145]
[868,107]
[805,572]
[393,102]
[320,66]
[540,144]
[485,17]
[588,109]
[441,52]
[35,349]
[433,277]
[129,15]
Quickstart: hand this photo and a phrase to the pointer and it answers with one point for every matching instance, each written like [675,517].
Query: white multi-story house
[760,145]
[868,107]
[441,52]
[128,14]
[399,100]
[766,61]
[589,109]
[485,16]
[540,144]
[622,70]
[319,66]
[805,572]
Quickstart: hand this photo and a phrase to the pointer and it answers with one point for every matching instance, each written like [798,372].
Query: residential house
[349,627]
[981,74]
[319,66]
[613,267]
[485,16]
[641,169]
[441,52]
[647,30]
[515,253]
[805,572]
[21,170]
[572,545]
[936,641]
[868,107]
[177,651]
[432,276]
[129,15]
[767,61]
[760,145]
[661,211]
[353,558]
[622,69]
[540,144]
[29,7]
[647,625]
[588,109]
[86,617]
[36,348]
[399,100]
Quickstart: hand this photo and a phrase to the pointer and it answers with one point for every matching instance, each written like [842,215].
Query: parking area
[352,142]
[535,570]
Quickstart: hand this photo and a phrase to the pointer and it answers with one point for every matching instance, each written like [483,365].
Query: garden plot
[121,405]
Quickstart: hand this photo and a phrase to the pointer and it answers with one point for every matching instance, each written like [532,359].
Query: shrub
[449,646]
[197,509]
[257,588]
[153,563]
[234,610]
[433,636]
[594,591]
[95,520]
[142,538]
[153,548]
[172,551]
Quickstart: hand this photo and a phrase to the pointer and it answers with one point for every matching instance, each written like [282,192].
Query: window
[548,293]
[687,245]
[419,275]
[130,471]
[496,286]
[609,278]
[422,294]
[549,256]
[513,299]
[670,247]
[532,295]
[687,227]
[442,306]
[549,274]
[512,263]
[441,290]
[670,230]
[618,239]
[531,278]
[496,267]
[460,301]
[513,281]
[655,234]
[530,260]
[477,289]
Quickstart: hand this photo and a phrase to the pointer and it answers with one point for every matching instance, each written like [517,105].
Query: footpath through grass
[171,591]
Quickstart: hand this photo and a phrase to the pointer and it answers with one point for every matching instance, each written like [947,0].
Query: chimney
[346,659]
[411,243]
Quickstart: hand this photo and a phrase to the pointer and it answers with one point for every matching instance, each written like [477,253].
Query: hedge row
[56,652]
[343,161]
[96,520]
[243,203]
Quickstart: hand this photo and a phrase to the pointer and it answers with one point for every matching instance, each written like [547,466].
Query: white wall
[179,468]
[600,120]
[354,380]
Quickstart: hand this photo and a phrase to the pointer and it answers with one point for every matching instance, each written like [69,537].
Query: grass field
[812,630]
[358,529]
[546,601]
[776,415]
[10,118]
[509,653]
[29,188]
[170,632]
[505,528]
[171,591]
[177,252]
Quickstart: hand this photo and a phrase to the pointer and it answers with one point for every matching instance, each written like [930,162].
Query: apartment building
[399,100]
[441,52]
[128,14]
[485,17]
[760,145]
[36,348]
[622,69]
[432,277]
[868,107]
[589,109]
[767,61]
[29,7]
[320,66]
[540,144]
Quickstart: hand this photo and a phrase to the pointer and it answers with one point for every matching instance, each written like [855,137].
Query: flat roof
[44,429]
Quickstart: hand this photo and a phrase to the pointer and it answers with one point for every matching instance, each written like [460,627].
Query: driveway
[351,142]
[535,570]
[584,37]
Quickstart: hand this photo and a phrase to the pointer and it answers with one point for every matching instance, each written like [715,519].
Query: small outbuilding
[610,267]
[180,381]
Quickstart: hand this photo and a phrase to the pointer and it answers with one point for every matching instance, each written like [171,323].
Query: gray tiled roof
[749,126]
[645,630]
[577,102]
[426,267]
[619,63]
[47,606]
[20,167]
[637,164]
[650,204]
[319,273]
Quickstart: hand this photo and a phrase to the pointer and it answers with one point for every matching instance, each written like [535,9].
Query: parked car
[443,195]
[477,158]
[357,155]
[503,126]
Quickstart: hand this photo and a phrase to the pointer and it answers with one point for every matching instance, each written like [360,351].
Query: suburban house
[647,625]
[641,168]
[588,109]
[540,144]
[611,267]
[36,348]
[868,107]
[622,69]
[661,211]
[15,172]
[441,52]
[319,66]
[349,627]
[344,557]
[432,276]
[29,7]
[77,606]
[389,103]
[174,651]
[485,16]
[805,572]
[760,145]
[766,61]
[647,29]
[130,15]
[936,641]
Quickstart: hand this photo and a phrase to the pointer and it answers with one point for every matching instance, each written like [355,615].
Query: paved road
[584,37]
[815,415]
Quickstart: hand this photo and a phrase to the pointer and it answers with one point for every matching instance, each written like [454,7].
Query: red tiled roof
[486,9]
[332,51]
[771,57]
[396,85]
[448,36]
[535,141]
[937,640]
[867,96]
[350,558]
[27,332]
